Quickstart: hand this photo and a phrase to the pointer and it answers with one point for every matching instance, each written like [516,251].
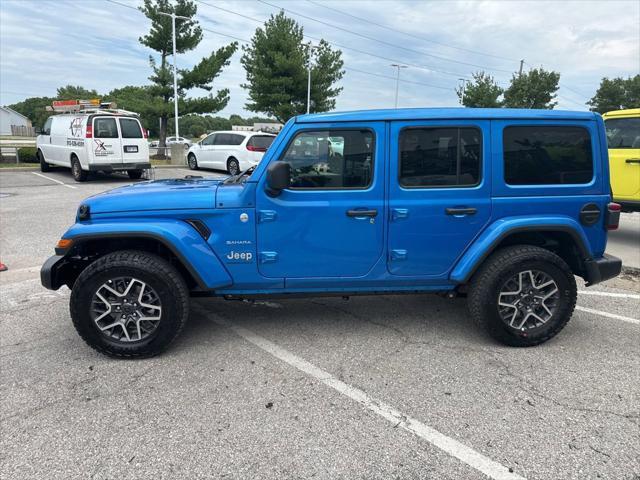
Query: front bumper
[601,269]
[114,167]
[49,273]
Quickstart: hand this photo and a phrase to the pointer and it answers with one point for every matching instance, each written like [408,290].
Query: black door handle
[461,211]
[632,160]
[362,213]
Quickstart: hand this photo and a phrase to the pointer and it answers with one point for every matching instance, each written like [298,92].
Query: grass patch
[14,165]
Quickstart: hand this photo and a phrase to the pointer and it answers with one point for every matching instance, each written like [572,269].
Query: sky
[45,44]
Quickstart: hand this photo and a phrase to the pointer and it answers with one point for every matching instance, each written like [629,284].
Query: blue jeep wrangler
[501,206]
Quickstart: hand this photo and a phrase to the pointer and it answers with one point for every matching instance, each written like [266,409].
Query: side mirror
[278,178]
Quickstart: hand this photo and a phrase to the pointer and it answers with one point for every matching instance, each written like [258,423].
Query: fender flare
[485,244]
[183,240]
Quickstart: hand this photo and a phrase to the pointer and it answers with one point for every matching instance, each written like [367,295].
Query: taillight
[89,133]
[145,133]
[613,215]
[251,148]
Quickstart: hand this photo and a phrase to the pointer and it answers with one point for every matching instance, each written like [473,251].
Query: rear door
[106,145]
[623,137]
[134,145]
[439,193]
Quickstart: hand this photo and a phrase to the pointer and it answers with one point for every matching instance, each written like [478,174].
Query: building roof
[11,110]
[444,114]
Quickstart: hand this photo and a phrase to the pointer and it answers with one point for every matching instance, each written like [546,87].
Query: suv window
[547,155]
[228,139]
[438,157]
[260,142]
[208,140]
[105,128]
[130,128]
[331,159]
[623,132]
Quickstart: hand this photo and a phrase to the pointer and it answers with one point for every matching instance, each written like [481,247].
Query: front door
[439,193]
[330,222]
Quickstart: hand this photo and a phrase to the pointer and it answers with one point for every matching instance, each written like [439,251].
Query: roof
[443,114]
[630,112]
[11,110]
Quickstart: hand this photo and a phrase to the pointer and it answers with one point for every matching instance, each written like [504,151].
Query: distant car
[180,140]
[233,151]
[623,137]
[154,144]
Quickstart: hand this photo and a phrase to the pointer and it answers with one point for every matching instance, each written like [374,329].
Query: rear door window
[130,128]
[105,128]
[260,142]
[547,155]
[623,132]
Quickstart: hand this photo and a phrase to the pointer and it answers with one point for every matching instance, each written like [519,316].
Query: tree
[188,36]
[276,67]
[75,92]
[534,89]
[139,100]
[616,94]
[483,92]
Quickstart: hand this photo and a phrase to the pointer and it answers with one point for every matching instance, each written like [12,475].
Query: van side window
[105,128]
[547,155]
[623,132]
[130,128]
[331,159]
[440,157]
[46,129]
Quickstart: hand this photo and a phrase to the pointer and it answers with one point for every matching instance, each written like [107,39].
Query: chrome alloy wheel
[126,309]
[528,300]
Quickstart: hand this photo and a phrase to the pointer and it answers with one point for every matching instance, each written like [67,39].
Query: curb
[631,271]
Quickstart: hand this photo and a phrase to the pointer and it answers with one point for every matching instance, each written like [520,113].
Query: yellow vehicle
[623,137]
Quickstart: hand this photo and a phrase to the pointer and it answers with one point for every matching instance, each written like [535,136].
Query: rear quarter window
[260,141]
[547,155]
[623,132]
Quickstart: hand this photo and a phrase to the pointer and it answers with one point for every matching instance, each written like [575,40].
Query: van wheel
[523,295]
[233,167]
[134,174]
[44,166]
[129,304]
[79,175]
[192,162]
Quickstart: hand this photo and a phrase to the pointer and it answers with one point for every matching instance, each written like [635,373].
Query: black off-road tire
[497,269]
[44,166]
[192,161]
[233,166]
[158,274]
[79,175]
[134,174]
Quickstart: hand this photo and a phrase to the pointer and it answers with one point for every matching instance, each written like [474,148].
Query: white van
[108,141]
[233,151]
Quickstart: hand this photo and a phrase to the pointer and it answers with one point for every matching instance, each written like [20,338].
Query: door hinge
[398,254]
[399,213]
[268,257]
[267,216]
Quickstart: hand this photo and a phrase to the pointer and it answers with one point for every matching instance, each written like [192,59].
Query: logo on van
[101,148]
[76,127]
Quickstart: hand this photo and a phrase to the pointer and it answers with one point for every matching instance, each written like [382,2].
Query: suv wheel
[192,162]
[523,295]
[233,167]
[129,304]
[44,166]
[134,174]
[79,175]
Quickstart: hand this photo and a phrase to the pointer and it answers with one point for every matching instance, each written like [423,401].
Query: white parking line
[609,294]
[54,180]
[447,444]
[609,315]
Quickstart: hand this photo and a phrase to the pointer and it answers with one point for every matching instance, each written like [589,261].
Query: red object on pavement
[3,267]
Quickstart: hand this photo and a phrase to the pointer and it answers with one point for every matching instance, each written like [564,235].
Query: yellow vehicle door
[623,137]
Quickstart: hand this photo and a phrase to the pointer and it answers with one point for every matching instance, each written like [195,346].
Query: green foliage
[534,89]
[27,154]
[482,92]
[276,66]
[160,94]
[34,109]
[616,94]
[75,92]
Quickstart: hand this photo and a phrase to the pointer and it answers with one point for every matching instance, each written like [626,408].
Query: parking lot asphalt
[373,387]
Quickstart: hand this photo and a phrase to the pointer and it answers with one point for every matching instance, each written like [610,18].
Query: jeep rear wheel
[129,304]
[44,166]
[79,175]
[523,295]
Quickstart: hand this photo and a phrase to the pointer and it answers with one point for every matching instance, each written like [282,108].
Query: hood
[170,194]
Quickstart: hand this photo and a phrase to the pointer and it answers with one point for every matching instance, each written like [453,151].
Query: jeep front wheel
[129,304]
[523,295]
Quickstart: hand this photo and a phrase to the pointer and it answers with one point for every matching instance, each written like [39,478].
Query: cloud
[94,43]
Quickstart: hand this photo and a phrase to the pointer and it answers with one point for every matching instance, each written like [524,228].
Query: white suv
[87,142]
[233,151]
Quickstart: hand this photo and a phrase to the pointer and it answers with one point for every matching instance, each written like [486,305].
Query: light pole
[398,67]
[175,70]
[311,49]
[462,89]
